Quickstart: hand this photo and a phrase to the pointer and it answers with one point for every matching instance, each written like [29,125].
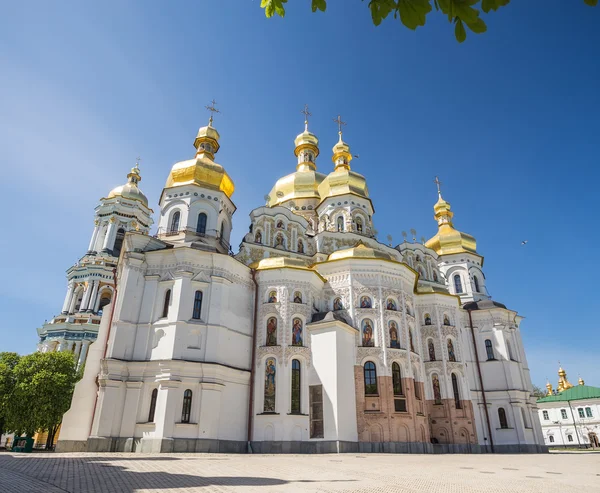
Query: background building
[570,416]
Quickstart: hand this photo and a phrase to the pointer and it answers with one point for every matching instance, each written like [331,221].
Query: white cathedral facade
[314,337]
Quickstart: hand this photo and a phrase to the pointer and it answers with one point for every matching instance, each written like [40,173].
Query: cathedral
[313,337]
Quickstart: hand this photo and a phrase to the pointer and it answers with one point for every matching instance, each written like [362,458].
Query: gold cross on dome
[339,121]
[212,109]
[137,160]
[438,183]
[306,114]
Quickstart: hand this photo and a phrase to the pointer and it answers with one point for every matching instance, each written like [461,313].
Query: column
[94,237]
[83,353]
[92,300]
[86,296]
[67,303]
[109,238]
[76,351]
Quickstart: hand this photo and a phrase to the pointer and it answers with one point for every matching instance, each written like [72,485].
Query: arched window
[427,319]
[476,282]
[166,304]
[153,397]
[118,242]
[435,276]
[397,379]
[271,332]
[370,378]
[201,224]
[489,349]
[295,387]
[300,246]
[570,438]
[222,231]
[431,350]
[105,298]
[269,398]
[457,284]
[359,225]
[197,305]
[451,353]
[187,406]
[509,349]
[455,391]
[258,237]
[79,299]
[437,394]
[551,438]
[502,418]
[340,223]
[174,226]
[412,343]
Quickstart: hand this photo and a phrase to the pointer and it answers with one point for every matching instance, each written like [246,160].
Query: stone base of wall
[196,445]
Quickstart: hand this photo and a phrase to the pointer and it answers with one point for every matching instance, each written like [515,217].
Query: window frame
[588,412]
[201,229]
[502,418]
[186,409]
[581,412]
[489,349]
[370,379]
[397,380]
[563,414]
[458,287]
[152,409]
[456,391]
[166,303]
[296,387]
[197,308]
[545,415]
[174,222]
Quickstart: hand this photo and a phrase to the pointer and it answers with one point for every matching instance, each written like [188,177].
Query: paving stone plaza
[128,473]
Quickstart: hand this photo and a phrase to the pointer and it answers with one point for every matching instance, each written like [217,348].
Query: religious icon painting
[258,237]
[367,333]
[451,354]
[270,372]
[394,342]
[337,304]
[273,297]
[446,319]
[391,304]
[427,319]
[297,297]
[272,332]
[412,344]
[365,302]
[437,395]
[297,332]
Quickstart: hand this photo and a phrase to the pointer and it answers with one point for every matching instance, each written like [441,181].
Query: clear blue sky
[509,120]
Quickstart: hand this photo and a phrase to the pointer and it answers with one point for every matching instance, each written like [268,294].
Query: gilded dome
[449,240]
[202,170]
[361,251]
[130,190]
[342,180]
[279,263]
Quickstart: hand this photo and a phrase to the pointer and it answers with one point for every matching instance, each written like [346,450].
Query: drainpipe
[485,407]
[253,363]
[112,313]
[574,425]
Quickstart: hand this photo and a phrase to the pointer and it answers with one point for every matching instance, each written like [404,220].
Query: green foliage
[413,13]
[538,392]
[8,361]
[43,387]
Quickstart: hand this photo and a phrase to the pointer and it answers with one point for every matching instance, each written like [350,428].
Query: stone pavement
[378,473]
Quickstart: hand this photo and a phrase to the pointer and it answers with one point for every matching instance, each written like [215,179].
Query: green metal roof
[576,393]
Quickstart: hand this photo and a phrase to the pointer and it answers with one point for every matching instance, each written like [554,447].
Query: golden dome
[342,180]
[360,251]
[202,170]
[279,263]
[130,190]
[580,381]
[449,240]
[304,183]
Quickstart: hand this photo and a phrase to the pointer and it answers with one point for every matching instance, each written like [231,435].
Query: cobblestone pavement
[128,473]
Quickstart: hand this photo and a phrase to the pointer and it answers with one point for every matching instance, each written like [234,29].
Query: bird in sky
[524,242]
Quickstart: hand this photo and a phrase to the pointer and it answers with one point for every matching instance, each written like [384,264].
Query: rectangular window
[563,413]
[588,412]
[581,413]
[545,414]
[316,411]
[400,405]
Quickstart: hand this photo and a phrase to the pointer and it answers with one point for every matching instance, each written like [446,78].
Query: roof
[483,305]
[577,393]
[327,317]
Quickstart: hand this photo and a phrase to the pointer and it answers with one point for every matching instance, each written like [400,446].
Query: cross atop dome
[211,107]
[306,114]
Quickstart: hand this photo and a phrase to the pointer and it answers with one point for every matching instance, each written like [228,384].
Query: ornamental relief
[292,351]
[456,367]
[262,351]
[448,330]
[369,352]
[415,358]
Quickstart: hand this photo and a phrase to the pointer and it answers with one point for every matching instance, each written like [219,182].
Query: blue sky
[509,120]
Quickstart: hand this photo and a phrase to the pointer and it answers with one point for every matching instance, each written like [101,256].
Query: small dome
[130,190]
[360,251]
[201,171]
[302,184]
[279,263]
[449,240]
[306,138]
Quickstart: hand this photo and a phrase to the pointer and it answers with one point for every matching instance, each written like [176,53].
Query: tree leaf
[380,9]
[487,5]
[591,3]
[478,26]
[319,5]
[273,6]
[413,12]
[459,31]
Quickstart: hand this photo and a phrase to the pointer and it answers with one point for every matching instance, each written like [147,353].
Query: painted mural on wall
[451,354]
[273,297]
[394,342]
[367,333]
[391,304]
[297,297]
[337,304]
[297,332]
[272,332]
[437,395]
[365,302]
[270,372]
